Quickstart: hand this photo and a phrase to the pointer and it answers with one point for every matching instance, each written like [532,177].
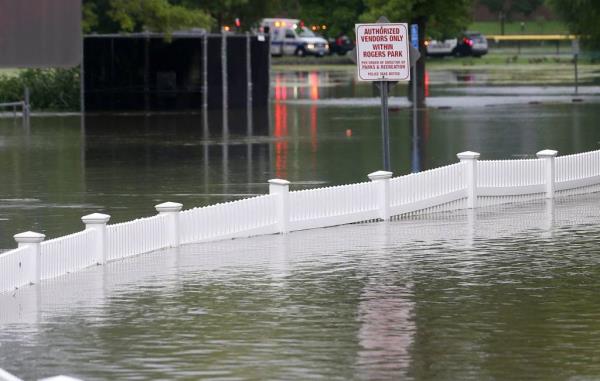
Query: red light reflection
[314,85]
[281,129]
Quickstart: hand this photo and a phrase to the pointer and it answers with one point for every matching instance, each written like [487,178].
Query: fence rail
[467,184]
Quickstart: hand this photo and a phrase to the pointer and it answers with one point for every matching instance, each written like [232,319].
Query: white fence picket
[136,237]
[445,187]
[576,171]
[16,268]
[423,190]
[330,206]
[241,218]
[67,254]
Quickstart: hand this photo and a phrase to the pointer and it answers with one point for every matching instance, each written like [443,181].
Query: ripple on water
[509,291]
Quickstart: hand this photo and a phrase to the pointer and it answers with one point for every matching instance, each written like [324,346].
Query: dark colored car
[471,44]
[340,45]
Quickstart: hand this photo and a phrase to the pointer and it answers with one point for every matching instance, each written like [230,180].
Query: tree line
[438,18]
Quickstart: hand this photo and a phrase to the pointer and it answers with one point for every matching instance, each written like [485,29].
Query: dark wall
[148,73]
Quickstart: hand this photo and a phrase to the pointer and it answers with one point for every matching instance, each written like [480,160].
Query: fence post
[470,160]
[26,105]
[97,222]
[382,182]
[171,209]
[548,156]
[282,189]
[33,240]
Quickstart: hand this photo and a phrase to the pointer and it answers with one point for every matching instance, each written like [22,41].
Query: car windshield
[476,36]
[304,32]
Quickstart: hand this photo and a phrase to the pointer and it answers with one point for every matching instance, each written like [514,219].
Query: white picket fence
[467,184]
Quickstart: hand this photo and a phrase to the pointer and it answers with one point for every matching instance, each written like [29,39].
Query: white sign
[382,52]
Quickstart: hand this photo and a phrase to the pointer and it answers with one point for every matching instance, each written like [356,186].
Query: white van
[289,37]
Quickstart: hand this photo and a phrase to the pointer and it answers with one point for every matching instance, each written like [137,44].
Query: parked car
[467,44]
[437,48]
[341,45]
[289,37]
[471,44]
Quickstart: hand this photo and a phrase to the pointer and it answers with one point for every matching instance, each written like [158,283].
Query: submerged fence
[467,184]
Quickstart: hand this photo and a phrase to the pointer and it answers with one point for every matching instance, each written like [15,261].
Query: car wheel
[300,52]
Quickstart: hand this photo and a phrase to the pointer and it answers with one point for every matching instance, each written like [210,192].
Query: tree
[582,18]
[436,18]
[339,15]
[499,7]
[224,12]
[526,7]
[139,15]
[505,8]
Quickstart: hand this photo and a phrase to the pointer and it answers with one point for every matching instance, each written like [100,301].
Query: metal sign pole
[385,125]
[576,79]
[414,40]
[382,56]
[575,49]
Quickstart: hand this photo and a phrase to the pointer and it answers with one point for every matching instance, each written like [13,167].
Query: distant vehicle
[468,44]
[290,37]
[341,45]
[437,48]
[471,44]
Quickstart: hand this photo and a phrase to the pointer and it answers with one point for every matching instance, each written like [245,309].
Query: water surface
[506,292]
[323,128]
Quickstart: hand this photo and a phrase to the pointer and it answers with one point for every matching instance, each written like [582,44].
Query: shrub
[49,89]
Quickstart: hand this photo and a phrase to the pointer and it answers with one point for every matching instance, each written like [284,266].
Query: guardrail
[468,184]
[531,37]
[24,105]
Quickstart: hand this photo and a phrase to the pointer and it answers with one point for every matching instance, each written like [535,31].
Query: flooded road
[323,128]
[506,292]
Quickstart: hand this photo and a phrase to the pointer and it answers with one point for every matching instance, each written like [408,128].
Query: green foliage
[507,8]
[50,89]
[443,18]
[111,16]
[526,7]
[339,15]
[582,18]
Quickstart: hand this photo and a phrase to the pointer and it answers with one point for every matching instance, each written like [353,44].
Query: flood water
[510,292]
[323,129]
[507,292]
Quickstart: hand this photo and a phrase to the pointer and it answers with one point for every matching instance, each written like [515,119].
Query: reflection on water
[503,293]
[56,171]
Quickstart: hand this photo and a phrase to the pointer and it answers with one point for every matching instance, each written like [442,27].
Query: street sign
[414,35]
[575,46]
[382,52]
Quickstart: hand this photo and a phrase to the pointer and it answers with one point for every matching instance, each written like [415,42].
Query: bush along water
[49,89]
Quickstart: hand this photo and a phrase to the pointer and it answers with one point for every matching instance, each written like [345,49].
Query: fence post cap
[168,207]
[468,155]
[547,153]
[29,237]
[279,182]
[380,175]
[95,218]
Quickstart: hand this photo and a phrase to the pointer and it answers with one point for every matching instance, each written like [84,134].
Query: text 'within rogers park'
[382,52]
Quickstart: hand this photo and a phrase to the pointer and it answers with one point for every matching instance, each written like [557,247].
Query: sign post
[414,42]
[575,48]
[382,55]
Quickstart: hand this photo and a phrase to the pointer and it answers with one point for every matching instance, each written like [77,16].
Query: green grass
[530,27]
[9,72]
